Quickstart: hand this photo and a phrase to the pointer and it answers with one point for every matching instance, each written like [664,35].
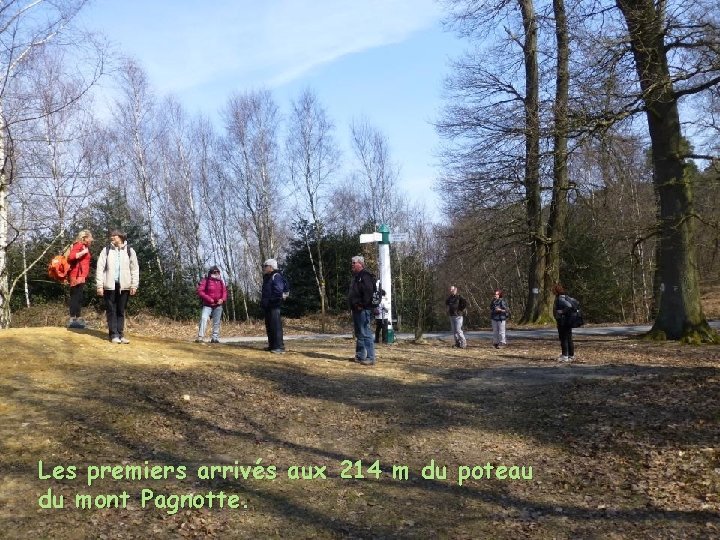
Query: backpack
[59,266]
[575,317]
[130,251]
[376,296]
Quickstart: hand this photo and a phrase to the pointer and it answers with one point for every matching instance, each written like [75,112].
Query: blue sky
[383,60]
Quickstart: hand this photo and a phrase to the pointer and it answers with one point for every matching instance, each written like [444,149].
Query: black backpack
[376,295]
[574,315]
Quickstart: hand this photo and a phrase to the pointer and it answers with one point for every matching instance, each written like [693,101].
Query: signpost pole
[382,237]
[386,275]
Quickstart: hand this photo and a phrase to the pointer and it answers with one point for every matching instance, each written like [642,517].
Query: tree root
[692,335]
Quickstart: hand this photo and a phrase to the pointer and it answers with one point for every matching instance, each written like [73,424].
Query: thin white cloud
[190,44]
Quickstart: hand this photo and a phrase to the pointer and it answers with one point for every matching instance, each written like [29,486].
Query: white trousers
[498,329]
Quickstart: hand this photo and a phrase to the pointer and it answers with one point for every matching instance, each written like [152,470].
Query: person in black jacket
[562,309]
[456,306]
[499,312]
[271,300]
[360,296]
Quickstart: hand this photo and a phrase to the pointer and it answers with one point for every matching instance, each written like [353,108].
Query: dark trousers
[566,341]
[274,329]
[115,304]
[76,299]
[381,328]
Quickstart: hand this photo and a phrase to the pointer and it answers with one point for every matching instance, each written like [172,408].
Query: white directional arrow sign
[371,237]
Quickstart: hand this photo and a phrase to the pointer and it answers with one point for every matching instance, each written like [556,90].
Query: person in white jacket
[116,279]
[381,319]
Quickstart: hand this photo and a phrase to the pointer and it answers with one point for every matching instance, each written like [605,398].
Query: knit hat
[272,263]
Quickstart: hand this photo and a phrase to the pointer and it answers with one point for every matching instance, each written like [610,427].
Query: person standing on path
[562,310]
[499,312]
[271,299]
[79,259]
[381,319]
[360,297]
[456,306]
[117,279]
[213,295]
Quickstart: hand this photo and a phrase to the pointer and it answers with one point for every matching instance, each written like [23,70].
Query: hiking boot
[115,340]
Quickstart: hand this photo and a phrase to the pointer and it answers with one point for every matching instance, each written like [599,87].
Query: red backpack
[59,266]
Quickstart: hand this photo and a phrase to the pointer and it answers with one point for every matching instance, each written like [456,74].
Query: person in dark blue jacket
[271,300]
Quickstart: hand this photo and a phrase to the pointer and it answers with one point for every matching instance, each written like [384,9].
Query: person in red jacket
[79,259]
[213,294]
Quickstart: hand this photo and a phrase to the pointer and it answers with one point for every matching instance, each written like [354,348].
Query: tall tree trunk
[557,220]
[4,284]
[5,313]
[531,181]
[680,312]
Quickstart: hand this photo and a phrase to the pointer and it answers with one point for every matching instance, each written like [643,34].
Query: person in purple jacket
[213,294]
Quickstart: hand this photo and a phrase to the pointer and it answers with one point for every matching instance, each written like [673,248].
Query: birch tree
[137,144]
[251,153]
[376,172]
[313,159]
[179,211]
[25,27]
[56,148]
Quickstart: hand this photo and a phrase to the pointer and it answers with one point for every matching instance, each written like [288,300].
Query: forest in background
[549,171]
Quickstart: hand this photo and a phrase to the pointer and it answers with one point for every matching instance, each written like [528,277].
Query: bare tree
[179,211]
[558,215]
[24,29]
[493,125]
[376,172]
[313,159]
[251,154]
[138,130]
[56,154]
[656,37]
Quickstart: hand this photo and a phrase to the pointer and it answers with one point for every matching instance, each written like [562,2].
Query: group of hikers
[565,310]
[117,277]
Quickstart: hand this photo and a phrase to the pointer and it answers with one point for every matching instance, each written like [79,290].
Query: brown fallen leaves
[623,444]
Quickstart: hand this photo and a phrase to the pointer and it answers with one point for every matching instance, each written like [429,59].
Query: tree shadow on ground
[110,414]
